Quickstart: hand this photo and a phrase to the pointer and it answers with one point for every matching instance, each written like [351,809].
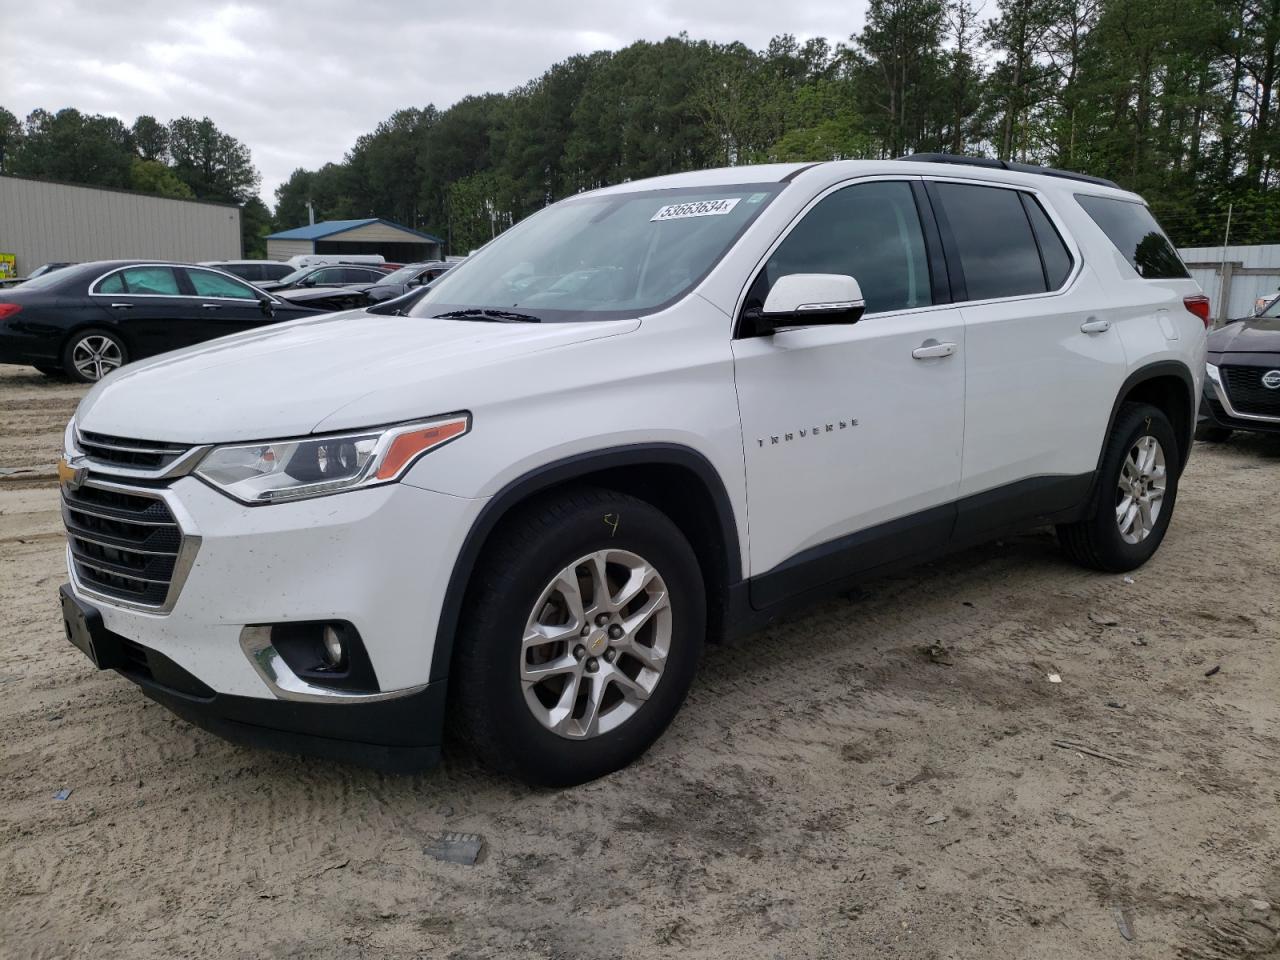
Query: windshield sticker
[756,197]
[698,208]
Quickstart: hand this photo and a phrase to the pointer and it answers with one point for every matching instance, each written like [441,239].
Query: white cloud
[299,82]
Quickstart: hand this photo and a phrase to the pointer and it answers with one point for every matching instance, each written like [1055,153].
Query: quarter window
[1135,233]
[997,249]
[209,284]
[1053,252]
[869,231]
[113,284]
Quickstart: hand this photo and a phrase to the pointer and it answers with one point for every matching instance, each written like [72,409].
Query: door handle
[122,306]
[1095,326]
[211,306]
[927,351]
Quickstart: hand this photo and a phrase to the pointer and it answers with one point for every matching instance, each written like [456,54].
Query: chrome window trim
[255,641]
[1220,389]
[185,559]
[94,292]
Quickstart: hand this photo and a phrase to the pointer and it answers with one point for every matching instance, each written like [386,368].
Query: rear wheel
[1213,434]
[91,354]
[1133,497]
[583,630]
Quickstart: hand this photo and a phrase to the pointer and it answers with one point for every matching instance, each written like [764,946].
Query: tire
[89,355]
[1213,434]
[1099,540]
[48,370]
[505,717]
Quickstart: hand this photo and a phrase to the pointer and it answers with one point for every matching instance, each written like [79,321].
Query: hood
[285,379]
[1255,335]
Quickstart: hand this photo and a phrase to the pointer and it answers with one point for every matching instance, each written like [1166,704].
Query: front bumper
[379,559]
[401,734]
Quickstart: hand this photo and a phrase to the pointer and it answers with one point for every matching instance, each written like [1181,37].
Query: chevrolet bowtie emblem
[71,478]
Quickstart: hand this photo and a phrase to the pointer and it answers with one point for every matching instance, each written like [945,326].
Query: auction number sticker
[697,208]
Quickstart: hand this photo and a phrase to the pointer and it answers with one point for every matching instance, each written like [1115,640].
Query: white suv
[646,416]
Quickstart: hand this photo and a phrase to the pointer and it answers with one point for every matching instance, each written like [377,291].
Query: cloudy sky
[299,81]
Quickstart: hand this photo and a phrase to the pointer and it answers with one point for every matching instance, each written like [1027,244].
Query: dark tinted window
[869,231]
[361,275]
[998,252]
[1136,234]
[1057,261]
[274,271]
[328,275]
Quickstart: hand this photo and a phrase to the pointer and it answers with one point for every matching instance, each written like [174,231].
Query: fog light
[334,653]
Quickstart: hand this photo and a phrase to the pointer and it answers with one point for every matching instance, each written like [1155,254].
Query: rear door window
[144,281]
[997,249]
[1135,233]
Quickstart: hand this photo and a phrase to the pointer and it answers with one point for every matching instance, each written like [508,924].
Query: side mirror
[267,305]
[808,299]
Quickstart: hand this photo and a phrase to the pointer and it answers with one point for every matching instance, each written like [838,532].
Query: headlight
[278,470]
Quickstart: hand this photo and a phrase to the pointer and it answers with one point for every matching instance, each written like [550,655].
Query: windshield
[602,257]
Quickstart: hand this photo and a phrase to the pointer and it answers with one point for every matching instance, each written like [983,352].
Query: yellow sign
[8,265]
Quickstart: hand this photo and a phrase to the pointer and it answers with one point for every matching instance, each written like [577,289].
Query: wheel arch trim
[1154,371]
[557,473]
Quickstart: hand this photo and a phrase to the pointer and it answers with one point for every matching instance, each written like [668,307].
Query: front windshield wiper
[494,316]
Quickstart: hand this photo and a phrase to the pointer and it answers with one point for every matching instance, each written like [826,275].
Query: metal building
[372,235]
[1234,278]
[44,220]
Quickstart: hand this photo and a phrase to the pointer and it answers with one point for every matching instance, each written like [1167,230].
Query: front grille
[122,452]
[1246,392]
[124,544]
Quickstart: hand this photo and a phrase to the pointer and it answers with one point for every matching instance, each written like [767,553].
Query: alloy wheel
[1140,489]
[95,356]
[595,644]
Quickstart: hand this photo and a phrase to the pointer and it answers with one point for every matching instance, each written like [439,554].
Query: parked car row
[85,320]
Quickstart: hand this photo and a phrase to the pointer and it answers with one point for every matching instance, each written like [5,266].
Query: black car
[255,271]
[405,279]
[87,320]
[331,275]
[1242,385]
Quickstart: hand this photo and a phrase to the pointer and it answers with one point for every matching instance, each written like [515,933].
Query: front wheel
[581,635]
[1133,496]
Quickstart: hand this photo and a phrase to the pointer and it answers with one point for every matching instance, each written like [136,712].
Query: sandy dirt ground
[829,790]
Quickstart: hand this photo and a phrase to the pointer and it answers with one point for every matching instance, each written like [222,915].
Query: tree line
[1172,98]
[185,159]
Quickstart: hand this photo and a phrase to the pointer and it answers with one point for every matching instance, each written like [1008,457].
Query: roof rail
[1007,165]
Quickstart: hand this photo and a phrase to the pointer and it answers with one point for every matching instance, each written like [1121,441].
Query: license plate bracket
[84,628]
